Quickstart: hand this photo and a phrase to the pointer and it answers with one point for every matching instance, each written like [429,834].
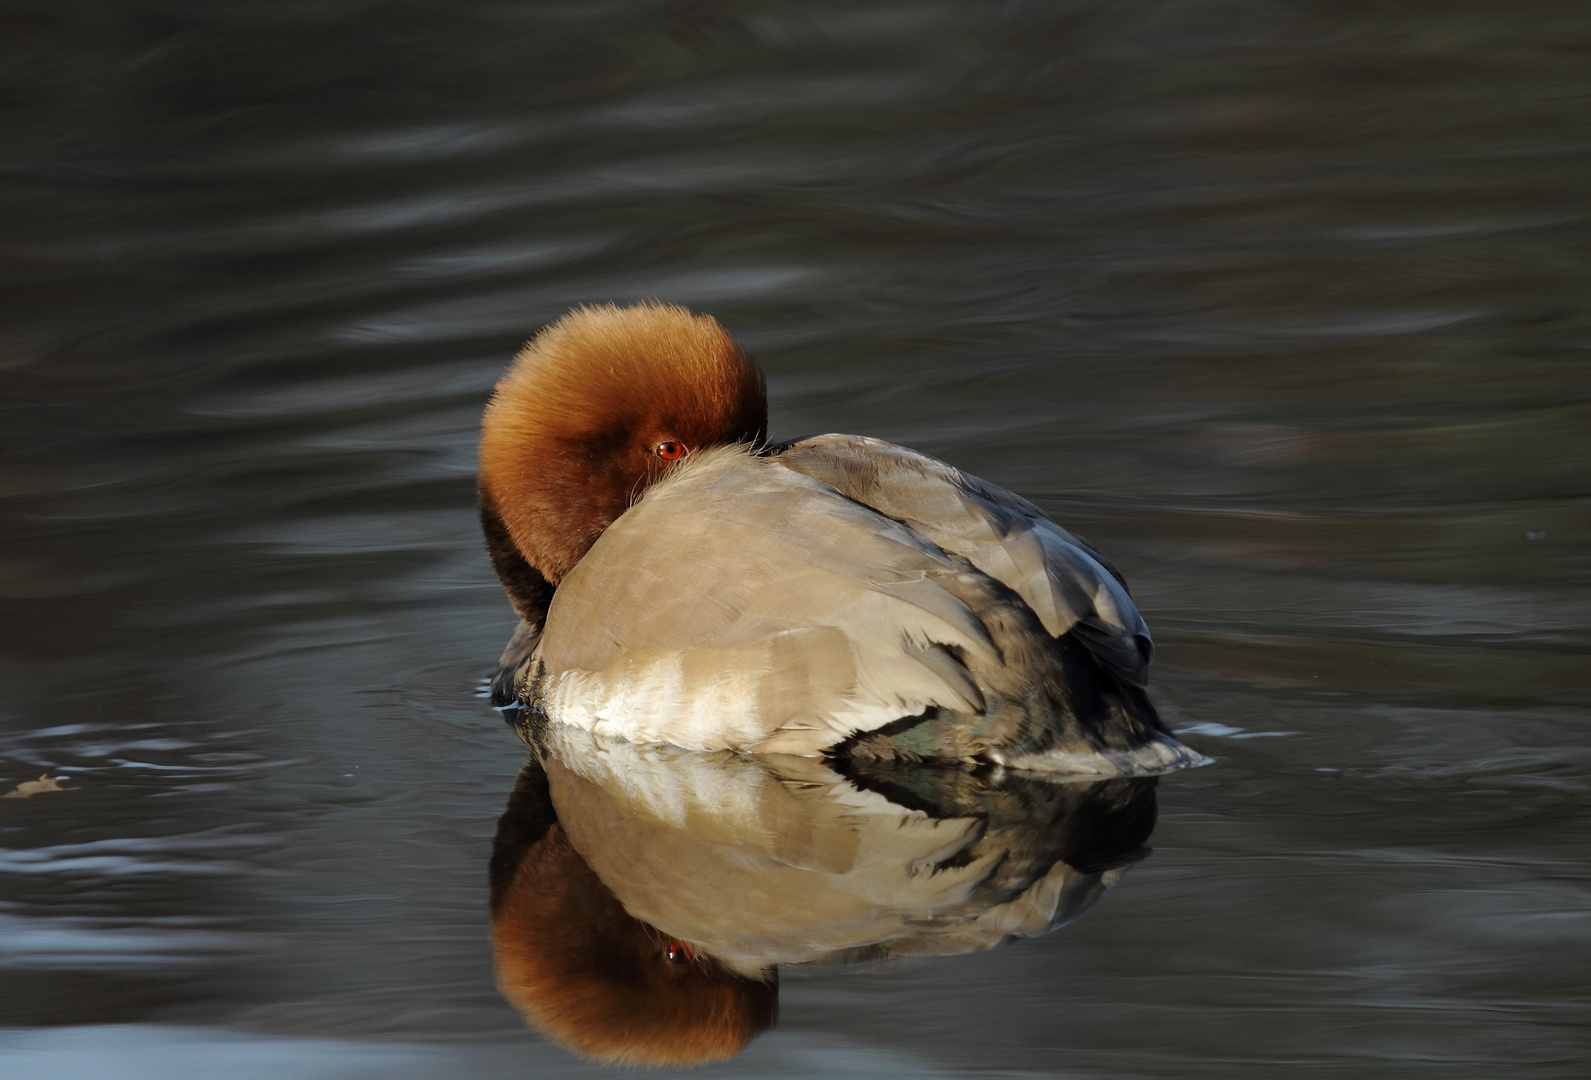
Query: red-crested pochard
[679,581]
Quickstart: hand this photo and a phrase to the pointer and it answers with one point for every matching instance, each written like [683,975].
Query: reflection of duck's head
[600,982]
[593,410]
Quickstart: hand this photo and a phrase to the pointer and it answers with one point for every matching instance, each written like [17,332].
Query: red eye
[670,450]
[679,953]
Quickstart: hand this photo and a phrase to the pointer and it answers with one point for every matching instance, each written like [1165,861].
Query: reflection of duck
[835,595]
[614,850]
[588,974]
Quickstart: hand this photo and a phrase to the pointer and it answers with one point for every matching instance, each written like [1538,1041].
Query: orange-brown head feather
[570,437]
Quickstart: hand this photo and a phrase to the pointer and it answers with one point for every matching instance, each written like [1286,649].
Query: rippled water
[1284,306]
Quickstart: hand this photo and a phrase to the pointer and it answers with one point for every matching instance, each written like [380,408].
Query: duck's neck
[528,588]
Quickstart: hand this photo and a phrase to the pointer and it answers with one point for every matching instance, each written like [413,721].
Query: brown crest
[592,412]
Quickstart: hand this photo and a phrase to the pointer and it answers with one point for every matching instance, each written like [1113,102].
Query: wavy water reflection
[644,897]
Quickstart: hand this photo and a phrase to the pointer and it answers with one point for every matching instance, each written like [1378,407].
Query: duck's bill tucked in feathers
[848,597]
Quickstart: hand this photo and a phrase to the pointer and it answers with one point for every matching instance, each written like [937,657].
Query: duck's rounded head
[595,409]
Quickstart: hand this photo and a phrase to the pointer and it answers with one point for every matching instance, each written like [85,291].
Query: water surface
[1283,306]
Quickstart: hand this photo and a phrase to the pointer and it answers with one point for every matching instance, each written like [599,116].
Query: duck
[681,580]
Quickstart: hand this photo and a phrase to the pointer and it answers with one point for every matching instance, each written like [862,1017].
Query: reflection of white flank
[777,859]
[1160,755]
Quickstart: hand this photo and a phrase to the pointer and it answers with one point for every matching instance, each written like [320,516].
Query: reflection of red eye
[679,953]
[669,451]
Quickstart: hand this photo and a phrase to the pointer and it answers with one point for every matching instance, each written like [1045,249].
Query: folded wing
[1065,583]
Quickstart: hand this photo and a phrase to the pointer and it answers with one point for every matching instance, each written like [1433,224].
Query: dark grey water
[1286,306]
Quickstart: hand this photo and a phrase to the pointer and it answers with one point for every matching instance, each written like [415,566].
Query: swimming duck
[681,581]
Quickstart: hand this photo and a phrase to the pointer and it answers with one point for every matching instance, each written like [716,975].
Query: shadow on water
[1283,305]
